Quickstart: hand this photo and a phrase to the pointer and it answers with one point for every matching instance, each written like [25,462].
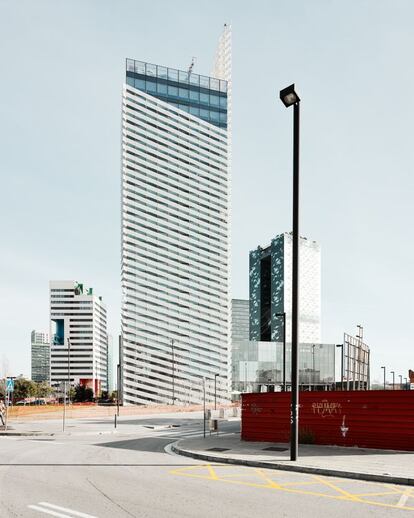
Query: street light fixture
[393,379]
[289,98]
[384,376]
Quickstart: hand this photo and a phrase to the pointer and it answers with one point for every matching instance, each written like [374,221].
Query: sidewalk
[396,467]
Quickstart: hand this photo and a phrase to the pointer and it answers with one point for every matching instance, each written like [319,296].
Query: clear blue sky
[62,68]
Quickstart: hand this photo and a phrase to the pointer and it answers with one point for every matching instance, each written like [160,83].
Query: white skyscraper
[78,336]
[175,231]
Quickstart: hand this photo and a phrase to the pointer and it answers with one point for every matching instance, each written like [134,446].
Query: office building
[175,231]
[110,367]
[40,356]
[78,349]
[270,278]
[239,320]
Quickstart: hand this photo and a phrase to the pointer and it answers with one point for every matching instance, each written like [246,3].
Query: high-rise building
[239,320]
[110,367]
[40,356]
[271,290]
[78,333]
[175,231]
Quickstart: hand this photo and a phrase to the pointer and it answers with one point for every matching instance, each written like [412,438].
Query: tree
[83,393]
[43,389]
[24,388]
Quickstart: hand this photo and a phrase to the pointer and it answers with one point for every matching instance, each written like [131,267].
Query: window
[194,110]
[194,95]
[204,98]
[162,88]
[130,81]
[223,102]
[172,90]
[214,100]
[140,84]
[151,86]
[151,70]
[183,93]
[173,74]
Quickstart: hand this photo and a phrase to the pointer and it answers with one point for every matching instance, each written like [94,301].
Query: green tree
[43,389]
[24,388]
[83,394]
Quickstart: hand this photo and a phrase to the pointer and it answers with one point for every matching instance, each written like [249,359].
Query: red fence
[367,419]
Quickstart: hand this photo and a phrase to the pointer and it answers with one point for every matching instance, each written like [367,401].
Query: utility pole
[215,391]
[204,407]
[118,378]
[69,369]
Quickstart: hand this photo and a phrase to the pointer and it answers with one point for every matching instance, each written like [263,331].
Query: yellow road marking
[212,472]
[208,473]
[270,482]
[344,493]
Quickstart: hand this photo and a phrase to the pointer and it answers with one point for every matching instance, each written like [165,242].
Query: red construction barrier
[368,419]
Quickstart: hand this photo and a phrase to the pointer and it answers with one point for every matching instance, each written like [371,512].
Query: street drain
[275,448]
[218,449]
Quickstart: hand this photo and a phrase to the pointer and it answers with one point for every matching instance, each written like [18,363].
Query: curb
[25,434]
[371,477]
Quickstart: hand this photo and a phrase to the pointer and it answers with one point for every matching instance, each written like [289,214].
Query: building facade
[40,356]
[175,231]
[270,278]
[79,350]
[239,320]
[258,367]
[110,367]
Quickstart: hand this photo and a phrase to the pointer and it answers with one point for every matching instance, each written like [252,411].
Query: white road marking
[404,497]
[47,511]
[71,512]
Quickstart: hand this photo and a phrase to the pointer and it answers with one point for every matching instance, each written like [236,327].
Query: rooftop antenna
[190,68]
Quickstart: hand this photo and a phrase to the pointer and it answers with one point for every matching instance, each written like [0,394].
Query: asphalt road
[90,472]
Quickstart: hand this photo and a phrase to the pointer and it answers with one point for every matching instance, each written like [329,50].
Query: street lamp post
[289,97]
[384,376]
[173,371]
[342,364]
[283,315]
[215,391]
[118,384]
[68,371]
[393,380]
[406,383]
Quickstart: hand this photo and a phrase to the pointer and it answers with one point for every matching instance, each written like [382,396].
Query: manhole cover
[275,448]
[218,449]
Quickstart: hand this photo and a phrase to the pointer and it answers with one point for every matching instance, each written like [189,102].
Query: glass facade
[202,96]
[258,366]
[270,280]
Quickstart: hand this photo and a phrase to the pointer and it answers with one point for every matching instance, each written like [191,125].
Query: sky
[62,70]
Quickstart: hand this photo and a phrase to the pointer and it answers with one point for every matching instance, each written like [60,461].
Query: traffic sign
[9,385]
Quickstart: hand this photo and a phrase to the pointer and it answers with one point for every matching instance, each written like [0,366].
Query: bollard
[115,420]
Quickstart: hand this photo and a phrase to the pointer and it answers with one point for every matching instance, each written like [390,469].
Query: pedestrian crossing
[187,434]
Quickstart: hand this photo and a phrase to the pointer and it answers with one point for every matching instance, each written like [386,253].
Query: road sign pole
[7,410]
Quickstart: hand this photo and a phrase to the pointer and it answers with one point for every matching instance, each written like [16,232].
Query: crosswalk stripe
[53,509]
[48,511]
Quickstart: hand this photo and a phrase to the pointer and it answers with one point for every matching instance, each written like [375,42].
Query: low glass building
[258,366]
